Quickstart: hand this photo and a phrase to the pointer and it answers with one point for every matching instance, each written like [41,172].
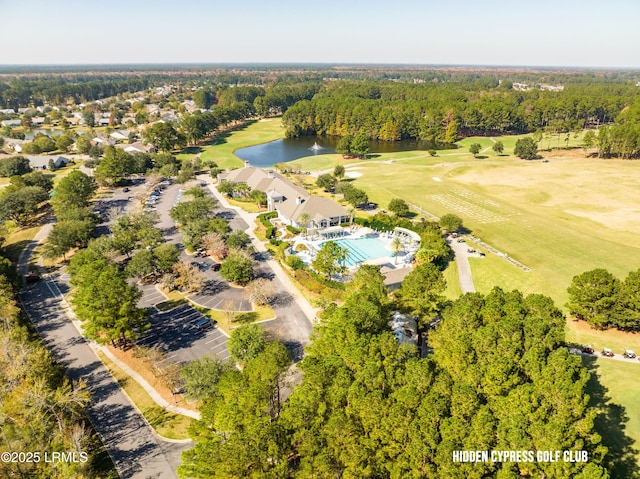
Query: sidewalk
[250,218]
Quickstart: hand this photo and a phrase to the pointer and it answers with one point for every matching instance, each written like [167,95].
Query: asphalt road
[133,446]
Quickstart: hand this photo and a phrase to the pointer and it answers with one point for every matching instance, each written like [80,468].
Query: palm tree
[352,214]
[304,220]
[397,246]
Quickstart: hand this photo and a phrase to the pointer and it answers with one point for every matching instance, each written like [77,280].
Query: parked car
[204,323]
[607,353]
[126,189]
[628,354]
[587,349]
[215,267]
[32,277]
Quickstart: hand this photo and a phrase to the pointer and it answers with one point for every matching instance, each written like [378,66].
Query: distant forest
[438,106]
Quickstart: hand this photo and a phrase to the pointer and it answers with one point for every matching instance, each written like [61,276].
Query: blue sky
[491,32]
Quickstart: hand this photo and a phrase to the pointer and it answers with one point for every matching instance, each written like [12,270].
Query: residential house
[137,147]
[12,122]
[404,328]
[8,111]
[291,201]
[14,144]
[37,121]
[104,121]
[120,135]
[394,276]
[41,162]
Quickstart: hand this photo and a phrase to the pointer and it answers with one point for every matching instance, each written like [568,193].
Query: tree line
[439,113]
[40,409]
[604,301]
[368,406]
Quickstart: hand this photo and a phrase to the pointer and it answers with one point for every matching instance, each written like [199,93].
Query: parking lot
[176,332]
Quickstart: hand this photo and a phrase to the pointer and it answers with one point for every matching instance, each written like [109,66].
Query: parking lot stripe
[217,346]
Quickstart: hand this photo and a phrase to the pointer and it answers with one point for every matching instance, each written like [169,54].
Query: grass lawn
[559,218]
[254,133]
[580,333]
[319,162]
[165,423]
[248,206]
[453,290]
[615,394]
[18,240]
[227,322]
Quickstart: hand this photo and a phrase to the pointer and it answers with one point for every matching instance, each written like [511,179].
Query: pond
[52,132]
[290,149]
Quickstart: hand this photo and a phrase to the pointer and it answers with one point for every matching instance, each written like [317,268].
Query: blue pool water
[362,249]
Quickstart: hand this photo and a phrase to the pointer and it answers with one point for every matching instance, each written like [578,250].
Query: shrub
[293,229]
[294,262]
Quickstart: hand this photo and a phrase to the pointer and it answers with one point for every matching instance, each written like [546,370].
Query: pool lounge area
[364,246]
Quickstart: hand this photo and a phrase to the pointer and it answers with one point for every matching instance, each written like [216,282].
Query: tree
[330,259]
[35,178]
[304,219]
[201,377]
[237,268]
[215,244]
[89,117]
[14,166]
[396,247]
[73,191]
[326,182]
[360,146]
[498,147]
[592,297]
[116,165]
[238,240]
[44,143]
[142,265]
[451,133]
[226,188]
[163,136]
[64,142]
[399,207]
[166,255]
[247,342]
[106,304]
[187,277]
[421,292]
[187,211]
[450,222]
[203,98]
[338,172]
[260,291]
[344,145]
[67,235]
[526,148]
[475,148]
[588,140]
[21,205]
[355,196]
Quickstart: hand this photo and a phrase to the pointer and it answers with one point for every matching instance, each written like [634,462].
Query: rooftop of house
[317,207]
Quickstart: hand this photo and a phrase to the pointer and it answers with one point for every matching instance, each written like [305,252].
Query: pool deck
[403,260]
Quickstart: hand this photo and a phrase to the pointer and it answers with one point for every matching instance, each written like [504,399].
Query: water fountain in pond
[315,147]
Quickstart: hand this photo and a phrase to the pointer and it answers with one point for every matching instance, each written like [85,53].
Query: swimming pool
[363,249]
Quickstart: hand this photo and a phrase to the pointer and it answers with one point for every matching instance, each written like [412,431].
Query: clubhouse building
[295,206]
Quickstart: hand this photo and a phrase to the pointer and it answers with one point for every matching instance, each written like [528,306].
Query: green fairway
[253,133]
[319,162]
[615,395]
[558,218]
